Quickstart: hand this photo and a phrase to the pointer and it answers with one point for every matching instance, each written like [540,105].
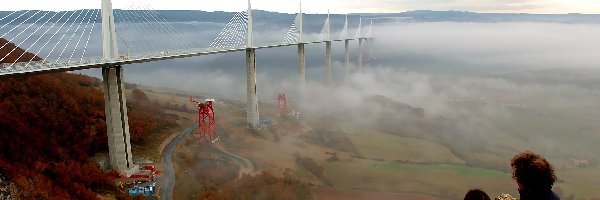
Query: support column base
[131,171]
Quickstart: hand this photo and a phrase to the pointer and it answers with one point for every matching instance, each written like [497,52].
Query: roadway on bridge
[38,67]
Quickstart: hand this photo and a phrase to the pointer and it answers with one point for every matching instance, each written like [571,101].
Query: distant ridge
[338,19]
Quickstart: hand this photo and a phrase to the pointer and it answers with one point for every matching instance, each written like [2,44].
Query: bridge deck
[40,67]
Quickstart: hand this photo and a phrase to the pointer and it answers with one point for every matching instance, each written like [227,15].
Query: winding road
[169,174]
[246,167]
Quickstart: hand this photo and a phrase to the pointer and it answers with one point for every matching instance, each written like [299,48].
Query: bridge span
[236,36]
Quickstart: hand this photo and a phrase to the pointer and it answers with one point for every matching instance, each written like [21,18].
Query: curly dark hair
[476,194]
[532,171]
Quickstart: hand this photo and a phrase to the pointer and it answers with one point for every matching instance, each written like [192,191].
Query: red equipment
[281,105]
[206,120]
[139,176]
[149,168]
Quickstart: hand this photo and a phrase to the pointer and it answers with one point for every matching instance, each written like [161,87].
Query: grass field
[450,181]
[460,170]
[377,145]
[559,137]
[582,182]
[333,194]
[543,129]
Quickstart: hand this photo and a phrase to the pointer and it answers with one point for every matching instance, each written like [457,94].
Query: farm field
[432,179]
[377,145]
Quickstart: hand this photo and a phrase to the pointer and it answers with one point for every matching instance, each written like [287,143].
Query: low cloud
[434,66]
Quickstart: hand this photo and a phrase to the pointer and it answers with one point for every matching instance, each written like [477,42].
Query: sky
[322,6]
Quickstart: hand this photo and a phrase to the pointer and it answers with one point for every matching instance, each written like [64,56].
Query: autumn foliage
[145,116]
[51,125]
[15,54]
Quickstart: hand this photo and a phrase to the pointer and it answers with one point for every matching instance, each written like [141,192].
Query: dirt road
[169,174]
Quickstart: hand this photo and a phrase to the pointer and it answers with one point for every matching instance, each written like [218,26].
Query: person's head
[476,194]
[532,172]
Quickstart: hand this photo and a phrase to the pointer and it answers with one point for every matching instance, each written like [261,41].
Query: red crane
[282,108]
[206,120]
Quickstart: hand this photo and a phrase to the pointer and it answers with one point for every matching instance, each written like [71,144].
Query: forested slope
[50,125]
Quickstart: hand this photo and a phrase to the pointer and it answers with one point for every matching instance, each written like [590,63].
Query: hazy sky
[336,6]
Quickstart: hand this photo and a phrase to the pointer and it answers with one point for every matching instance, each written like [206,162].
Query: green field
[540,131]
[377,145]
[470,148]
[583,182]
[440,180]
[459,170]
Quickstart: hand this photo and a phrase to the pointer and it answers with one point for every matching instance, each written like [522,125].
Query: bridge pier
[347,56]
[360,54]
[301,70]
[252,116]
[328,61]
[115,106]
[117,125]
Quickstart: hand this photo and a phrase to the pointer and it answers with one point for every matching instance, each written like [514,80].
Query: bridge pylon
[117,125]
[328,55]
[249,37]
[109,33]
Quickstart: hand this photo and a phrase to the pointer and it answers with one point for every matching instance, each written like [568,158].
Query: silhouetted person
[534,176]
[476,194]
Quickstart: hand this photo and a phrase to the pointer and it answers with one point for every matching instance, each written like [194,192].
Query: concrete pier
[301,69]
[117,125]
[328,61]
[347,56]
[252,97]
[115,106]
[360,53]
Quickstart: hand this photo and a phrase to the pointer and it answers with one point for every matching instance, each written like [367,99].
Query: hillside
[52,124]
[14,53]
[382,104]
